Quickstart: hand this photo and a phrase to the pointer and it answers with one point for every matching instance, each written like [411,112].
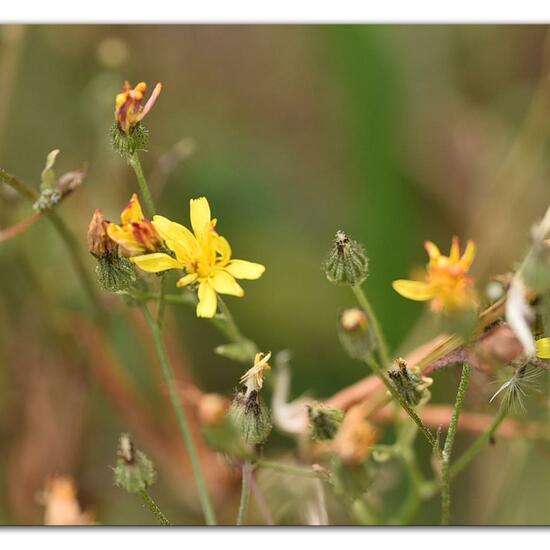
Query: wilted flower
[447,284]
[248,411]
[346,263]
[128,105]
[136,234]
[99,242]
[355,438]
[62,507]
[204,255]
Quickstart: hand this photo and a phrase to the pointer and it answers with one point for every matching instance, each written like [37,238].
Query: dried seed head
[409,383]
[134,472]
[346,263]
[324,421]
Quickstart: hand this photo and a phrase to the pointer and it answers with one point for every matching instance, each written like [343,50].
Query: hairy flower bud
[252,417]
[409,383]
[346,263]
[134,472]
[324,421]
[355,333]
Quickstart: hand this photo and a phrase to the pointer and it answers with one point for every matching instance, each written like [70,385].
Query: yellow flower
[136,234]
[253,378]
[128,109]
[543,348]
[447,284]
[203,254]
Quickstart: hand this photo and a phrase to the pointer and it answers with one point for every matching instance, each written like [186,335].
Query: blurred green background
[395,134]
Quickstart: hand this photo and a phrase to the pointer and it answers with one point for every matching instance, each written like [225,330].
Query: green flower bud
[355,333]
[346,263]
[251,416]
[127,144]
[324,421]
[409,383]
[134,472]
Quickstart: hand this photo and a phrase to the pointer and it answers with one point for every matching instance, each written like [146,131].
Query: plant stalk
[154,508]
[135,163]
[245,492]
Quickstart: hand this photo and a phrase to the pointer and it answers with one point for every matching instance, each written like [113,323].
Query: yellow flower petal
[223,247]
[132,212]
[468,256]
[432,250]
[414,290]
[187,280]
[454,253]
[208,300]
[200,216]
[125,237]
[241,269]
[154,263]
[543,348]
[177,237]
[226,284]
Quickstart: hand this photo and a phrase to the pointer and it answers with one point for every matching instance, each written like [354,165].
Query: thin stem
[135,163]
[162,301]
[154,508]
[377,329]
[231,330]
[245,492]
[64,232]
[401,400]
[181,416]
[261,500]
[448,447]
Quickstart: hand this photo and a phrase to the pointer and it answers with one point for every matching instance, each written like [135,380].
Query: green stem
[245,492]
[64,232]
[363,513]
[181,416]
[401,400]
[229,327]
[154,508]
[448,447]
[135,163]
[162,301]
[376,327]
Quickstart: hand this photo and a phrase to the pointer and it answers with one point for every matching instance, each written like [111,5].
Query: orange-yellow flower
[447,284]
[128,109]
[203,254]
[136,234]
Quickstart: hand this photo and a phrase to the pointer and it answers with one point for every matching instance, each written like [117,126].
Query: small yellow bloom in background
[136,234]
[447,284]
[543,348]
[203,254]
[128,109]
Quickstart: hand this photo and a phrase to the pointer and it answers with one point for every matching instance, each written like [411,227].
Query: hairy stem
[245,492]
[448,447]
[154,508]
[181,417]
[135,163]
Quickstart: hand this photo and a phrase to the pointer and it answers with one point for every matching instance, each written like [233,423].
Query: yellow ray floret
[447,284]
[203,254]
[128,105]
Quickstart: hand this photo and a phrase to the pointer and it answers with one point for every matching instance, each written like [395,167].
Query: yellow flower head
[136,234]
[542,346]
[128,108]
[447,284]
[253,378]
[203,254]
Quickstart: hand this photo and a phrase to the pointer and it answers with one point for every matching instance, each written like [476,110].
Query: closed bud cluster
[134,472]
[347,263]
[409,383]
[114,272]
[248,410]
[324,421]
[355,333]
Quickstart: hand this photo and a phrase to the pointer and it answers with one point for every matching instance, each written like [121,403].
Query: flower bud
[134,472]
[347,263]
[324,421]
[355,333]
[251,416]
[409,383]
[126,144]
